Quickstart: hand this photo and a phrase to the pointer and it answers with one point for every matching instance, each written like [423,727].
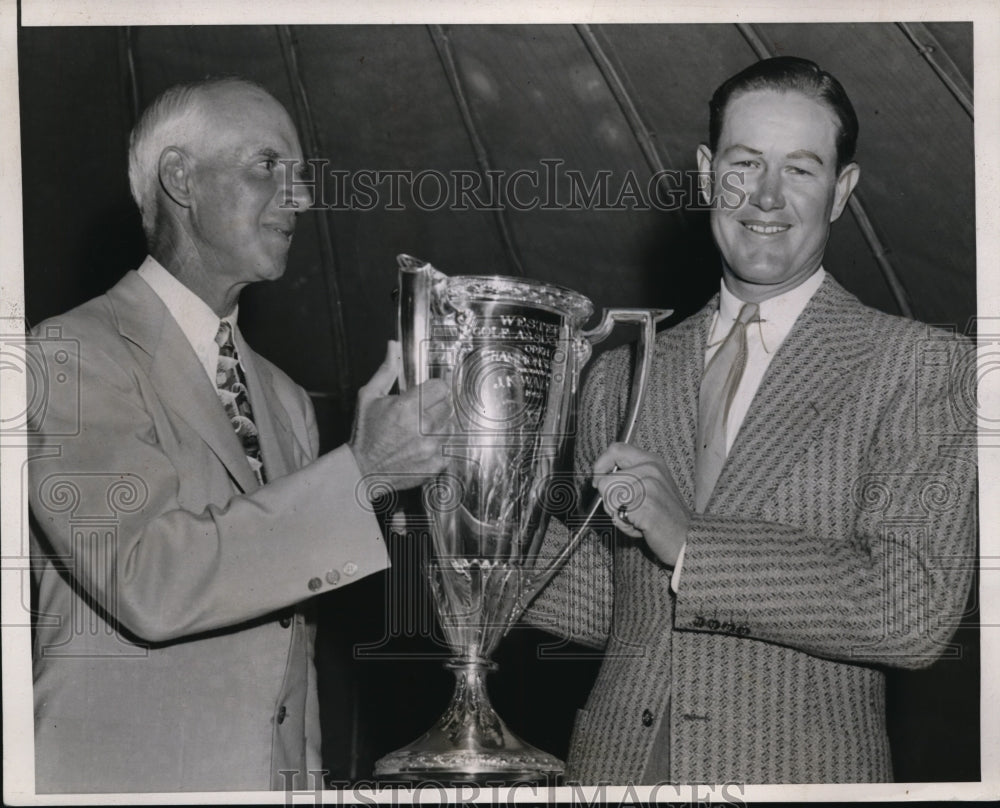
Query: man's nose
[768,193]
[296,188]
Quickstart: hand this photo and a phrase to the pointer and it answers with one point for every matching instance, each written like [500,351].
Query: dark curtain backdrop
[628,100]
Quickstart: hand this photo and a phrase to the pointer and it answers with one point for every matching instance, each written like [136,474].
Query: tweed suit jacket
[840,538]
[172,652]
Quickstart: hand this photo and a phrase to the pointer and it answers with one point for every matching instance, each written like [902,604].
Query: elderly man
[799,500]
[187,519]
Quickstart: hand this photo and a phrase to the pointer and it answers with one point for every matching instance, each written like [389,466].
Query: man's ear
[848,178]
[704,158]
[175,173]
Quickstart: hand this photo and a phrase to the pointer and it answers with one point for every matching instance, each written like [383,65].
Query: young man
[800,501]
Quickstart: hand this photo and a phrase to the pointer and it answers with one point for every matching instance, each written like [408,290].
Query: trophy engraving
[512,350]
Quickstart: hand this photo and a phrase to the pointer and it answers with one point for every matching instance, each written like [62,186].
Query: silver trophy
[512,350]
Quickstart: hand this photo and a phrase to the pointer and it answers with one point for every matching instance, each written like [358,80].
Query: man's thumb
[381,382]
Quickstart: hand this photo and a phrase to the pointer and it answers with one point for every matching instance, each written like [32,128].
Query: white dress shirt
[777,316]
[196,319]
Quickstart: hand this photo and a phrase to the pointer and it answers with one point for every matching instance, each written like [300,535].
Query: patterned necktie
[231,385]
[718,388]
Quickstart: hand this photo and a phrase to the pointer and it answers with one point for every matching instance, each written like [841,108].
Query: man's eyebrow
[252,152]
[301,167]
[804,154]
[741,147]
[262,150]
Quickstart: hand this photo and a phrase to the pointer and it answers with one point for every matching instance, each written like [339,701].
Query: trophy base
[469,743]
[480,769]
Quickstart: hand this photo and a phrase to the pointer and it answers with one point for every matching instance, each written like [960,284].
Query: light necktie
[718,388]
[231,385]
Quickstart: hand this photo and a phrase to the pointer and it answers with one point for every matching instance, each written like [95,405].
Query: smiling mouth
[765,228]
[283,231]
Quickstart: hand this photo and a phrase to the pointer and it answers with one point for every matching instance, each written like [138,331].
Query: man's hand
[655,511]
[399,438]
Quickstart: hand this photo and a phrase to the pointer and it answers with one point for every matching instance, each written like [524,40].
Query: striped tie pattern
[231,385]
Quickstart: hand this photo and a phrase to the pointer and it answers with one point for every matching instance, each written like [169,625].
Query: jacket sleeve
[892,591]
[163,571]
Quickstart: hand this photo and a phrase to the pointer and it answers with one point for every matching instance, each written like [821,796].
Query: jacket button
[647,718]
[282,712]
[333,577]
[285,622]
[314,584]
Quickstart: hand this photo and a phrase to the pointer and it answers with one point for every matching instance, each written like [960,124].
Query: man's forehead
[253,120]
[787,112]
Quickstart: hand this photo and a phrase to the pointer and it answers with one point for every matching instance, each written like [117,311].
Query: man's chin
[274,269]
[757,272]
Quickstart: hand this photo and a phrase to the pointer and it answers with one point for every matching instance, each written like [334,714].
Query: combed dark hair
[785,73]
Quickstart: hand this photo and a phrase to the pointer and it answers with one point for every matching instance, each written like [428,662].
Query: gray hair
[177,117]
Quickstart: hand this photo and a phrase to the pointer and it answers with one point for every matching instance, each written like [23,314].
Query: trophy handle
[419,291]
[647,320]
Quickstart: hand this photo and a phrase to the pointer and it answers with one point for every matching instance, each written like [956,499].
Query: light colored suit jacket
[170,653]
[840,538]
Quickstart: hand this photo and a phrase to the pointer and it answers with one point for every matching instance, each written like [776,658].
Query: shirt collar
[777,314]
[193,315]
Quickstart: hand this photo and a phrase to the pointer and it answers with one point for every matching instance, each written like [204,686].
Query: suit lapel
[804,386]
[176,373]
[673,397]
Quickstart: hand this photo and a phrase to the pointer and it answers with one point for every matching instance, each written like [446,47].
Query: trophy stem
[469,743]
